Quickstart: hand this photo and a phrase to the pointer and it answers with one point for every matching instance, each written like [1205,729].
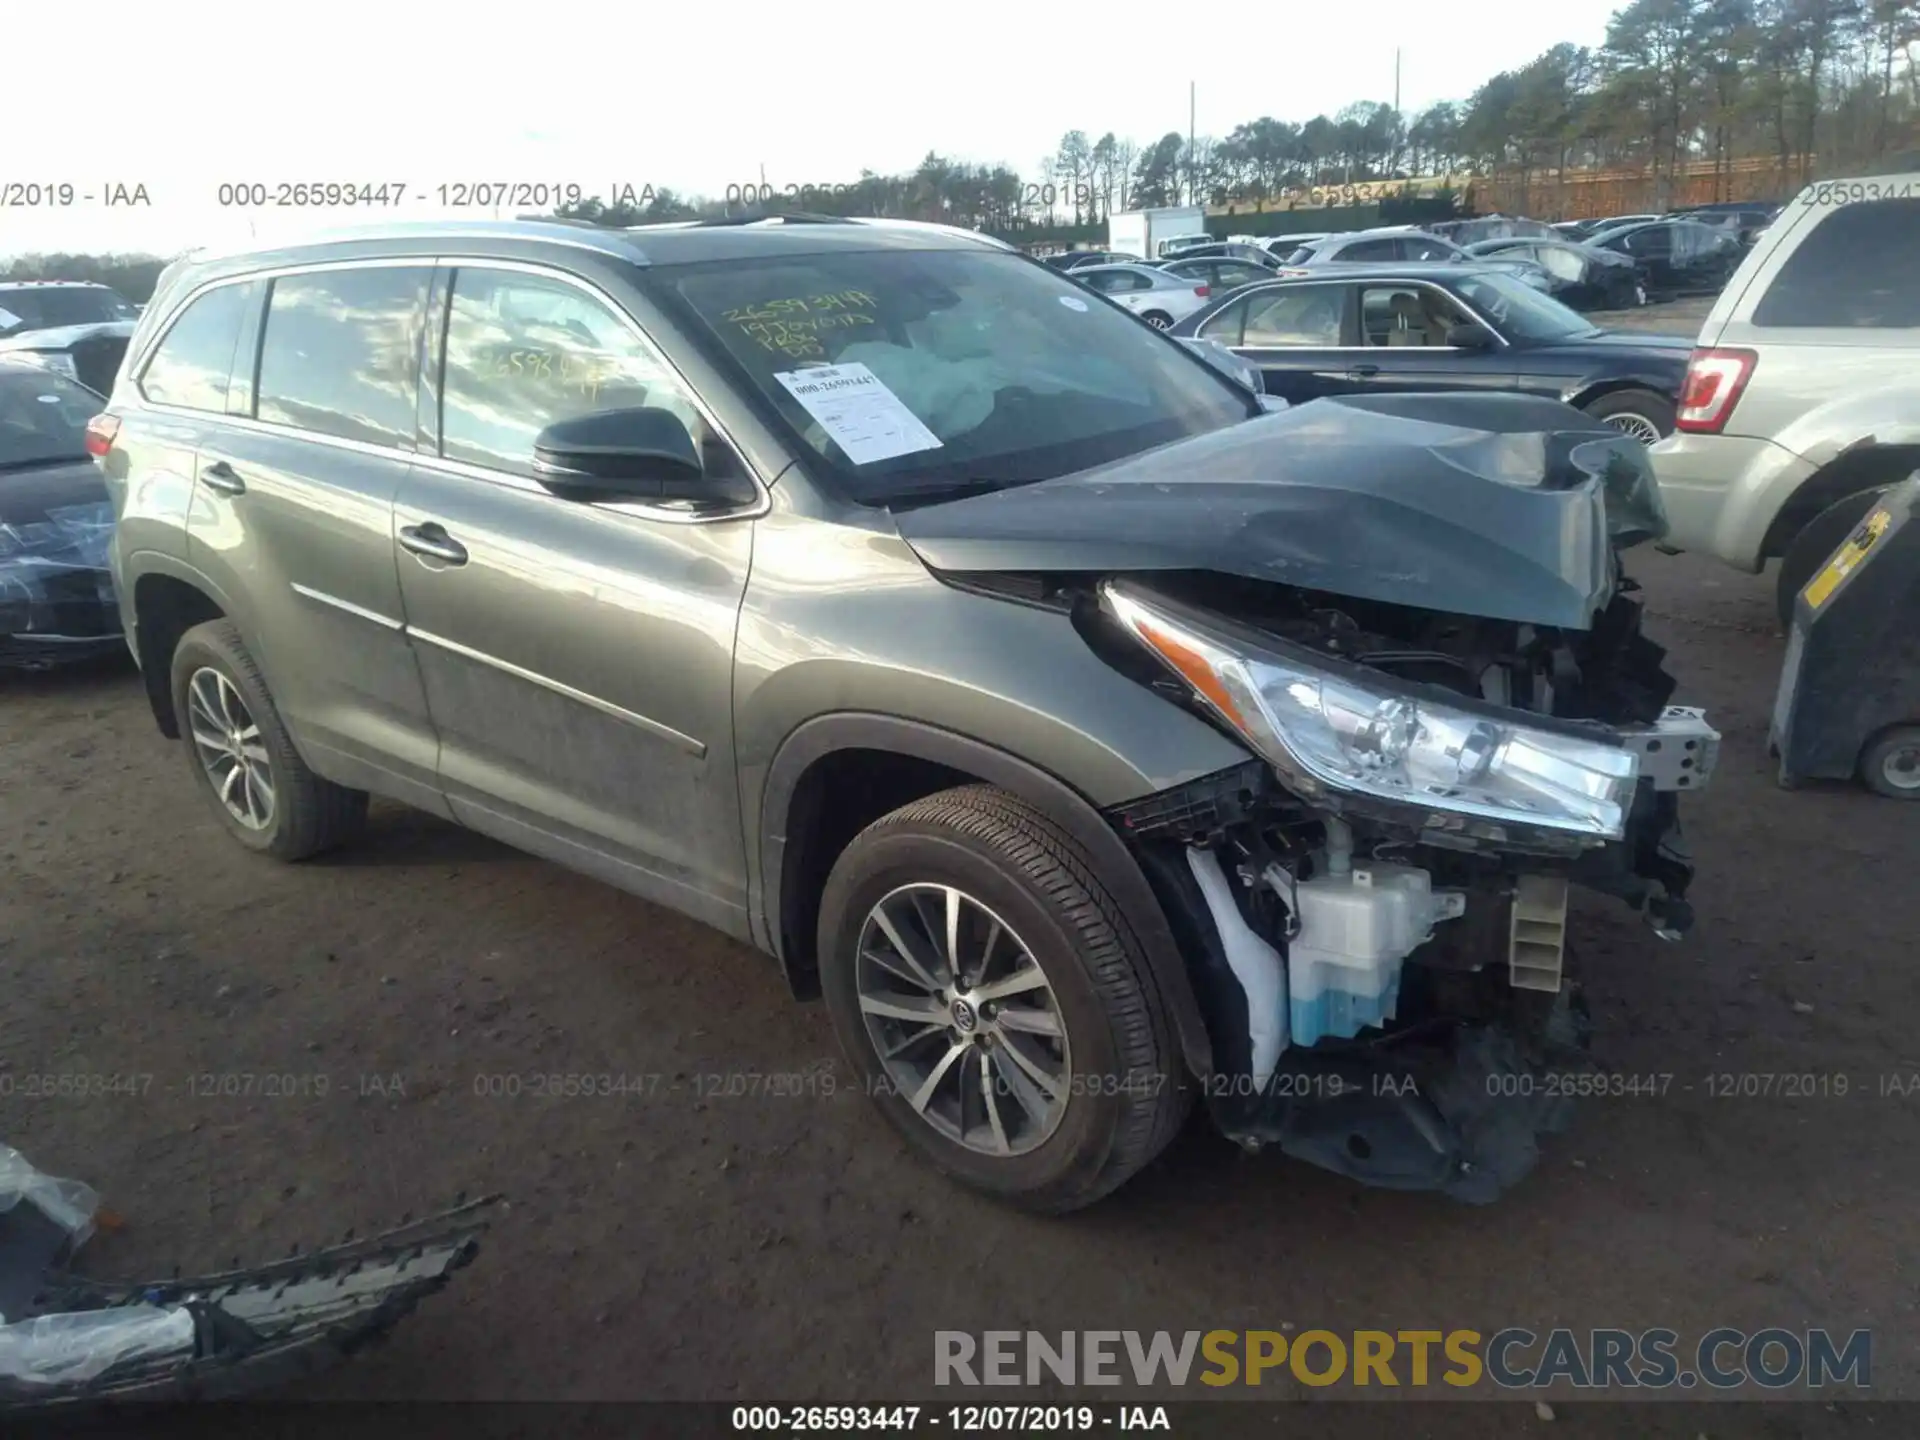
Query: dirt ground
[676,1242]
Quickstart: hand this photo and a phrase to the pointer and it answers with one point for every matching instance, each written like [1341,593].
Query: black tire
[1641,406]
[1127,1094]
[1817,541]
[1159,319]
[1890,765]
[308,814]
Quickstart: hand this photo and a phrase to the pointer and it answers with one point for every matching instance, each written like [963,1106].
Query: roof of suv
[672,242]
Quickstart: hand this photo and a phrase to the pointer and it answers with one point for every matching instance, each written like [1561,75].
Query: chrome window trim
[268,272]
[693,747]
[760,506]
[385,622]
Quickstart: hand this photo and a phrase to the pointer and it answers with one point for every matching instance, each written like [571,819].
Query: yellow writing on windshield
[793,324]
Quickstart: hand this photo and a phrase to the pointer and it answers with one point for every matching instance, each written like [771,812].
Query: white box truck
[1146,233]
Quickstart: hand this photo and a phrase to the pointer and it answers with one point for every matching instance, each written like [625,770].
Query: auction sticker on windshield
[861,415]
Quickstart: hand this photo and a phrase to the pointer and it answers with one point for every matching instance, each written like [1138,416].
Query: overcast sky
[693,96]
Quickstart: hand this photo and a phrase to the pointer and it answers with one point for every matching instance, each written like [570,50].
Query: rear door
[1300,335]
[293,515]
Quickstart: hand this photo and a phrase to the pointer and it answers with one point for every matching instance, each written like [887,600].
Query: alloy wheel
[1638,426]
[963,1019]
[231,748]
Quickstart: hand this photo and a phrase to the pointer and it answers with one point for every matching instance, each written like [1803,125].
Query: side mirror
[639,454]
[1468,335]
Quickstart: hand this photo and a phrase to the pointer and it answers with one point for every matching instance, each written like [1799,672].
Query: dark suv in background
[47,304]
[1091,737]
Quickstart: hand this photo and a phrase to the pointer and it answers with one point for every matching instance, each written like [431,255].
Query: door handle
[1364,372]
[433,542]
[223,477]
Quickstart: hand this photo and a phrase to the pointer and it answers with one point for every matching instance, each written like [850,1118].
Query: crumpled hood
[1500,506]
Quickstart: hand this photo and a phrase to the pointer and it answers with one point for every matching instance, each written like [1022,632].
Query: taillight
[1714,383]
[1203,291]
[100,432]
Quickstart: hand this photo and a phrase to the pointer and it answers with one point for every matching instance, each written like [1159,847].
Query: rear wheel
[1890,765]
[1645,416]
[994,1001]
[1817,540]
[1158,319]
[244,760]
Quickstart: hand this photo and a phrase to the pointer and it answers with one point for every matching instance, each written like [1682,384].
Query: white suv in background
[1802,402]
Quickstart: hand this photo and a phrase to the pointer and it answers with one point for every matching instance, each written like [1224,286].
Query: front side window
[907,372]
[1561,263]
[1859,269]
[1427,247]
[194,360]
[1655,240]
[339,355]
[524,351]
[1368,250]
[1520,312]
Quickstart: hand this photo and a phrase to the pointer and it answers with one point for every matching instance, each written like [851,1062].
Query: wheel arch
[1867,465]
[1593,390]
[169,599]
[801,836]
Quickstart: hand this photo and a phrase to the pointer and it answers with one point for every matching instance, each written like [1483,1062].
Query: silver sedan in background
[1157,297]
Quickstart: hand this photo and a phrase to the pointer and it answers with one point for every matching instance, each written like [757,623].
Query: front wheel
[995,1003]
[1645,416]
[1158,320]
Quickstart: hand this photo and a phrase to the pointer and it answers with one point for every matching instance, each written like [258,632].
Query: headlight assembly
[1325,728]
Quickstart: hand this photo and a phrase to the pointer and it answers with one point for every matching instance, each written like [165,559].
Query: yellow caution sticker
[1847,558]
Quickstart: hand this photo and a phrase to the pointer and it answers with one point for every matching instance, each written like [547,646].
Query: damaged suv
[1092,738]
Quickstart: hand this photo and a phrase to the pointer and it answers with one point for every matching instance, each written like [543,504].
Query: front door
[578,655]
[1406,328]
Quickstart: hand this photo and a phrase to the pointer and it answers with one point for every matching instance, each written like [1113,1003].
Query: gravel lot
[680,1243]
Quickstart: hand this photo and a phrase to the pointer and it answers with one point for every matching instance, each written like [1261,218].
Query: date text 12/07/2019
[958,1419]
[442,195]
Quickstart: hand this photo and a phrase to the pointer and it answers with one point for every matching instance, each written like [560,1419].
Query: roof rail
[786,217]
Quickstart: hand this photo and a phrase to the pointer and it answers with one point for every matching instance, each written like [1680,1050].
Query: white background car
[1162,300]
[1803,399]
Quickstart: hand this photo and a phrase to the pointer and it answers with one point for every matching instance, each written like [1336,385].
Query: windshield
[43,417]
[46,307]
[912,372]
[1521,312]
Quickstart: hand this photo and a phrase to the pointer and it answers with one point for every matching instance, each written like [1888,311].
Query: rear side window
[195,358]
[1371,250]
[1859,269]
[339,356]
[1306,315]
